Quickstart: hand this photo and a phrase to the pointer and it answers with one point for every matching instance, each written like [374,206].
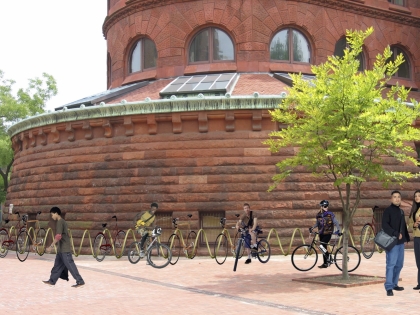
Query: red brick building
[189,86]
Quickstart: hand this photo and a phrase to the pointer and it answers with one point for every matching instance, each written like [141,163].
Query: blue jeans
[394,264]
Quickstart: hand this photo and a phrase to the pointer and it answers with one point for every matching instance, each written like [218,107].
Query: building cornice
[172,105]
[134,6]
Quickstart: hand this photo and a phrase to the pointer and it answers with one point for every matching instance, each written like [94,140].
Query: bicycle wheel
[118,243]
[353,258]
[99,247]
[221,249]
[304,257]
[367,245]
[40,242]
[175,247]
[239,249]
[191,244]
[134,253]
[22,246]
[4,247]
[237,237]
[263,251]
[159,255]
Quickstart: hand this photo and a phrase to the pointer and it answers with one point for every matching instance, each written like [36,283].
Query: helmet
[324,203]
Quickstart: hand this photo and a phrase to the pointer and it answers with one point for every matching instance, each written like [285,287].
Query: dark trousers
[417,255]
[63,261]
[325,238]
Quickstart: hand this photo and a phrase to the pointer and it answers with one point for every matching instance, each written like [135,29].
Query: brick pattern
[187,162]
[251,24]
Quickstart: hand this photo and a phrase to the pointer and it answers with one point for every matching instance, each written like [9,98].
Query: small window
[290,45]
[109,76]
[341,45]
[210,223]
[143,55]
[164,220]
[404,70]
[397,2]
[211,45]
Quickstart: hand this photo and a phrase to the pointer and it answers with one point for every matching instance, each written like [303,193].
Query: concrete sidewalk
[198,286]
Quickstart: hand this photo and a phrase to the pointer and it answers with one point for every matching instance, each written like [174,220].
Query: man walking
[393,223]
[64,258]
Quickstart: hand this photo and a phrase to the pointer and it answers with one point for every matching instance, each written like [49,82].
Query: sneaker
[142,254]
[78,285]
[248,261]
[389,293]
[254,246]
[323,266]
[417,287]
[47,282]
[397,288]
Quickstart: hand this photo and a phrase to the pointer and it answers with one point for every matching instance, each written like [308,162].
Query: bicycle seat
[7,221]
[104,225]
[189,215]
[222,221]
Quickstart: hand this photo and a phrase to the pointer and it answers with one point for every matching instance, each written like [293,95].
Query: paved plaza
[198,286]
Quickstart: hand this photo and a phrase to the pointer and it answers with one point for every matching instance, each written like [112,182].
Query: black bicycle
[305,257]
[262,251]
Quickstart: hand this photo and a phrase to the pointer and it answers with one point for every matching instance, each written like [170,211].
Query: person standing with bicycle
[145,224]
[325,222]
[63,259]
[248,221]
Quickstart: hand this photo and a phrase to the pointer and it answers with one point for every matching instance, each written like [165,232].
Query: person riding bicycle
[249,222]
[145,224]
[325,222]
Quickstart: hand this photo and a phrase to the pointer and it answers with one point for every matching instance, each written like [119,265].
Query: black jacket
[391,221]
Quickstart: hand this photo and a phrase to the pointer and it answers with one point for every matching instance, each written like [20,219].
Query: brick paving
[198,286]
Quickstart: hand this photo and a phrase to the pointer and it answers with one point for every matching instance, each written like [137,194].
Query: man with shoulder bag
[393,224]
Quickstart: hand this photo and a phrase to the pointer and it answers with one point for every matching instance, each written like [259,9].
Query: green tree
[26,102]
[344,123]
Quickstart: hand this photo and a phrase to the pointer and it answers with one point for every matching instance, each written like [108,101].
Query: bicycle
[305,257]
[102,247]
[174,243]
[262,251]
[367,236]
[6,236]
[221,246]
[158,255]
[37,238]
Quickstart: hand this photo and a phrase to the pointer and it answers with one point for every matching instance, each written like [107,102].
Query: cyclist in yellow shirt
[146,224]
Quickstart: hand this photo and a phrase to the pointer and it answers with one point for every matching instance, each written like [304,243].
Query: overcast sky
[61,38]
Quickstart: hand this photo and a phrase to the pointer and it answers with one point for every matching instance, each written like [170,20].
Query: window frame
[362,54]
[291,60]
[211,41]
[406,60]
[142,55]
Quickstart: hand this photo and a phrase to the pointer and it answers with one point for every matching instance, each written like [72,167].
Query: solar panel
[210,83]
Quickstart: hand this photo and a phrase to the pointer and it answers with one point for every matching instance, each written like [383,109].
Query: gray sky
[62,38]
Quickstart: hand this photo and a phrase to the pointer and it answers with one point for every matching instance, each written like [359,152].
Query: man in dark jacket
[393,223]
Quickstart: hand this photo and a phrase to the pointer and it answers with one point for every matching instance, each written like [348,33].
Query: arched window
[404,71]
[341,45]
[211,45]
[109,70]
[397,2]
[143,55]
[290,45]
